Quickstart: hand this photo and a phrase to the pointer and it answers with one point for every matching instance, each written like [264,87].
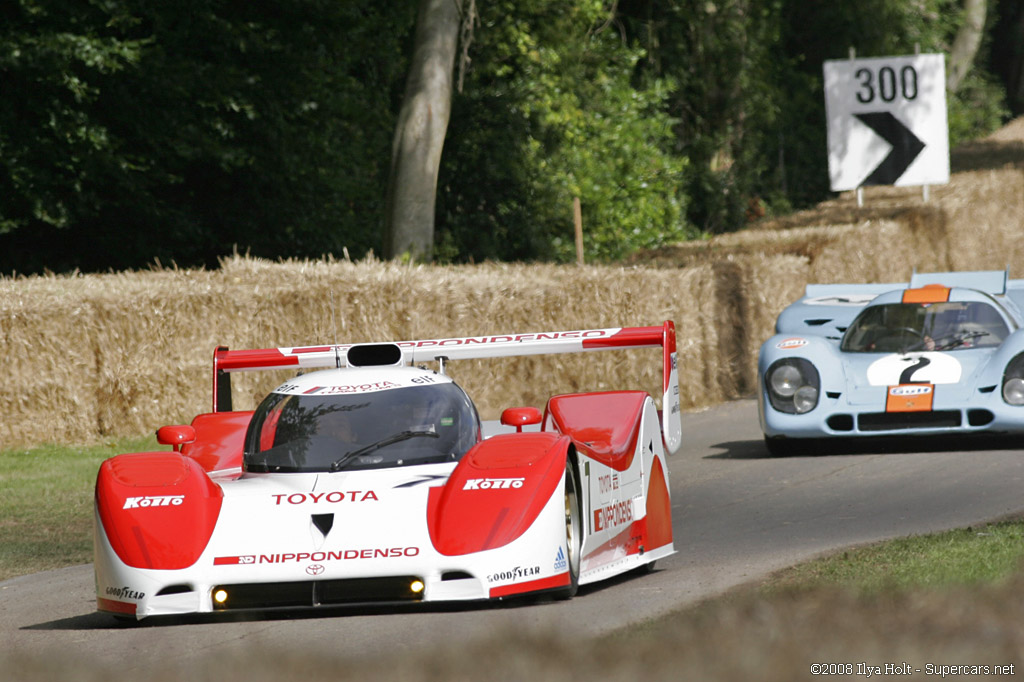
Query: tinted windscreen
[397,427]
[903,327]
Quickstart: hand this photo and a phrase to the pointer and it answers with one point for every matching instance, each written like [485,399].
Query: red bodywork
[496,492]
[604,425]
[159,509]
[220,437]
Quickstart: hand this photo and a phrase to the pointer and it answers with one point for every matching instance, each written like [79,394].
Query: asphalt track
[738,515]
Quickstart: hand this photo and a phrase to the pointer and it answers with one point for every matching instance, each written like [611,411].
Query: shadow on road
[103,621]
[756,449]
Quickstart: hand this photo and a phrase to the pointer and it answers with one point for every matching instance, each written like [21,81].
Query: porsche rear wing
[226,361]
[827,309]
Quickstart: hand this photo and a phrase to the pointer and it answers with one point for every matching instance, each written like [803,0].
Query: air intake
[374,355]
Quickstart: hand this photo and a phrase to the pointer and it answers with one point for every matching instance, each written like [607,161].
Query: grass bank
[46,505]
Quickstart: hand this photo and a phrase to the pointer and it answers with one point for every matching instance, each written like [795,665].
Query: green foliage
[721,56]
[50,140]
[133,129]
[550,113]
[978,108]
[749,98]
[816,32]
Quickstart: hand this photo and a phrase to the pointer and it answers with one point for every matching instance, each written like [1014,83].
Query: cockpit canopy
[943,326]
[419,424]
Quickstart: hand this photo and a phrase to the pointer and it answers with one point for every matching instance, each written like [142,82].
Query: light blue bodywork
[964,382]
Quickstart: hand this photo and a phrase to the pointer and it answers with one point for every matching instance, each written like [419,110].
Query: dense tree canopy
[132,130]
[140,129]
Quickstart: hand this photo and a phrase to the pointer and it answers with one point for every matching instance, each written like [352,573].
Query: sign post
[887,121]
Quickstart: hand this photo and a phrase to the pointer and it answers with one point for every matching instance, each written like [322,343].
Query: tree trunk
[420,131]
[1015,72]
[965,46]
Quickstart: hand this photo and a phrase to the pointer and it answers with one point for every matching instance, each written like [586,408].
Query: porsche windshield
[903,327]
[397,427]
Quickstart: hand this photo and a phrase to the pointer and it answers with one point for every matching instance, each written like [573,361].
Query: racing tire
[777,447]
[793,447]
[573,533]
[646,569]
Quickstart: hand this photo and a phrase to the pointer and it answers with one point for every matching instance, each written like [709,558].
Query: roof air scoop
[374,355]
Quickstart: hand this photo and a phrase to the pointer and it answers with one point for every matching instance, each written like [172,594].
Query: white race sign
[887,121]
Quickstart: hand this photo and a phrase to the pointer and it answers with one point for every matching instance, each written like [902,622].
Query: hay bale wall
[105,356]
[95,357]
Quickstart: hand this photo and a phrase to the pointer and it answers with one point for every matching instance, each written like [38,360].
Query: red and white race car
[375,481]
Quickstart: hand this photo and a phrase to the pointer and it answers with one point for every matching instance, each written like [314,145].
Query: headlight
[1013,381]
[1013,391]
[786,380]
[792,385]
[805,398]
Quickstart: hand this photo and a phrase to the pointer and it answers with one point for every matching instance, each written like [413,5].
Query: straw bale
[985,211]
[767,284]
[49,372]
[139,345]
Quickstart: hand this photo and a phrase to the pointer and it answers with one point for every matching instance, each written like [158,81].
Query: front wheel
[573,533]
[794,447]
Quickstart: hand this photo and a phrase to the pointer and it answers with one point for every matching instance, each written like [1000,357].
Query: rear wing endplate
[226,361]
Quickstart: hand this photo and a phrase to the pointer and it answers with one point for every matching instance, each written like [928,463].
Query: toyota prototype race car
[941,354]
[375,481]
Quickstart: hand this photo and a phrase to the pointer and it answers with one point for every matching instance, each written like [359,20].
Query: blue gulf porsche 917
[940,354]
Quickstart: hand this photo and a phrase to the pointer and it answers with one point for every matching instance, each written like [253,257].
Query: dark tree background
[134,130]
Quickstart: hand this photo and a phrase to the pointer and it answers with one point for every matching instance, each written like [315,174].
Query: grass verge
[46,506]
[940,606]
[992,553]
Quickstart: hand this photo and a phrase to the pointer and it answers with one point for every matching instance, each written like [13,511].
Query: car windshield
[946,326]
[377,430]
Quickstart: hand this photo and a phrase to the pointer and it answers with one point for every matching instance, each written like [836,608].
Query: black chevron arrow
[905,147]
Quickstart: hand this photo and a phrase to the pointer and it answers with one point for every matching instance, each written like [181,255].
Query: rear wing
[227,361]
[827,309]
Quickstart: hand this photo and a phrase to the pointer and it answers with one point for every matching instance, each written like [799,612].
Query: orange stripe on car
[930,293]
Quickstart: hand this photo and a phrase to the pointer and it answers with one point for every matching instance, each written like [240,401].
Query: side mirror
[175,436]
[520,417]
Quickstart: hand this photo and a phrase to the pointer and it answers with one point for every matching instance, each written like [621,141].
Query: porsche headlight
[792,385]
[805,399]
[1013,381]
[785,380]
[1013,391]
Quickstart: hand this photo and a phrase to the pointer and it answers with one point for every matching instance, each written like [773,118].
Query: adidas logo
[560,563]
